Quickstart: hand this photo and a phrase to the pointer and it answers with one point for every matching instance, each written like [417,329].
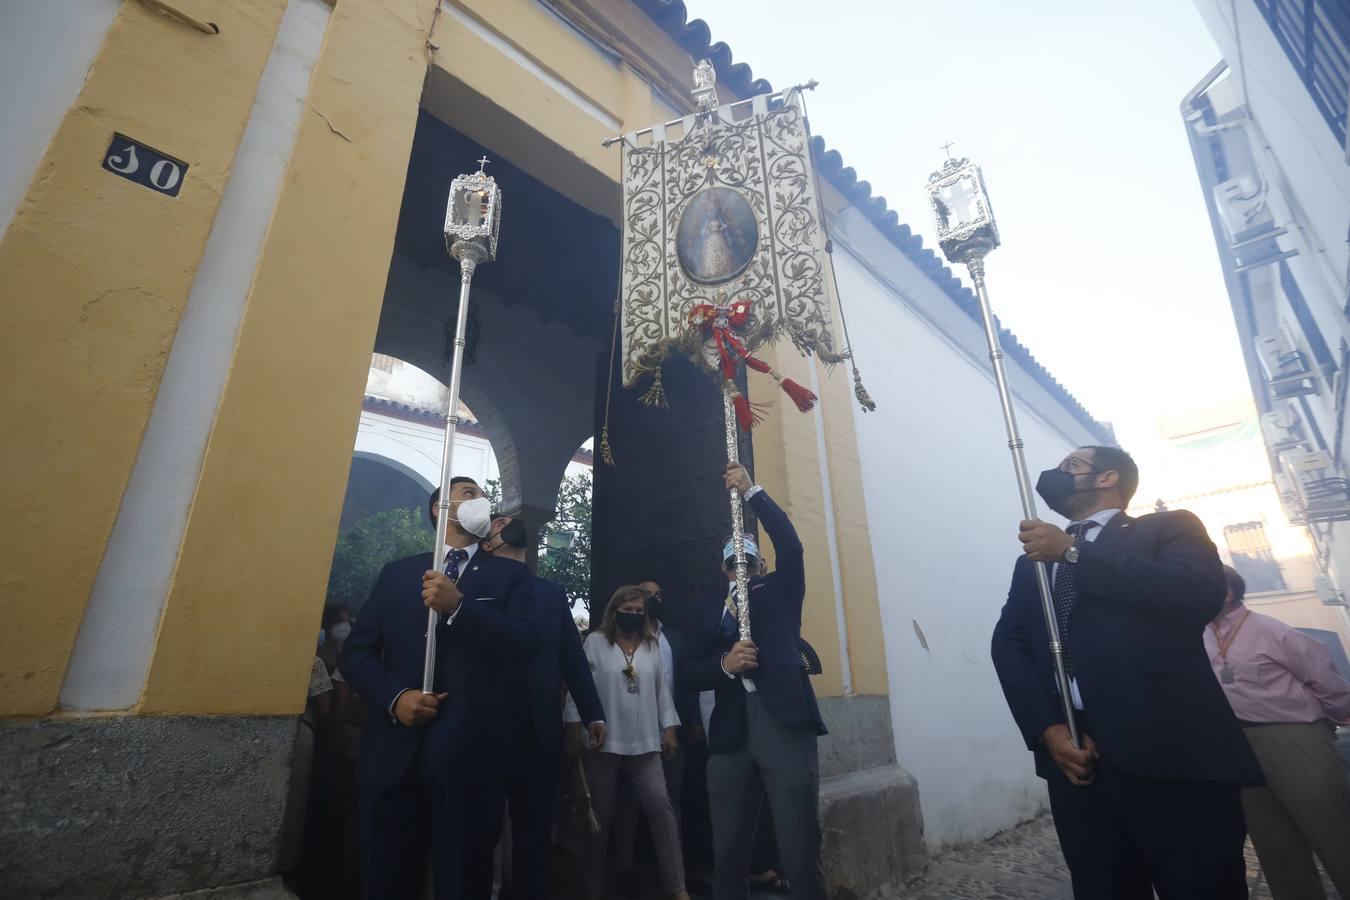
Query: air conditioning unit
[1283,430]
[1327,593]
[1241,204]
[1323,493]
[1285,367]
[1284,486]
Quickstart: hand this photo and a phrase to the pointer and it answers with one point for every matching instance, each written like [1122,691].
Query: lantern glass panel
[959,204]
[470,208]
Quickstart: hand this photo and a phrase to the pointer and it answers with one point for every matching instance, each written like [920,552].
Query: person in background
[635,691]
[673,651]
[1285,691]
[534,790]
[1151,798]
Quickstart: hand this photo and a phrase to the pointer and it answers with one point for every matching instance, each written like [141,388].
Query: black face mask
[514,534]
[1056,487]
[654,606]
[630,623]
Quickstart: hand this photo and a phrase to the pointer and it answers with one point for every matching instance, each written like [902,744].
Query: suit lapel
[1120,524]
[472,576]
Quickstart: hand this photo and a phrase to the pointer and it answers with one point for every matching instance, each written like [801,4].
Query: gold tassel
[606,453]
[656,394]
[864,399]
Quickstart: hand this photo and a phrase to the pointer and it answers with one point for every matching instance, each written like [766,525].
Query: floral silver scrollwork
[765,158]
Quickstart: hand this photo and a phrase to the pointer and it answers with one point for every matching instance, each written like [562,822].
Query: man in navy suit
[764,726]
[1151,799]
[534,789]
[433,767]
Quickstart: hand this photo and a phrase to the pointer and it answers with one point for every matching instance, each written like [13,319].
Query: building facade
[208,231]
[1267,128]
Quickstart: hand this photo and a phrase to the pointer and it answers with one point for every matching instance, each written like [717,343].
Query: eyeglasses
[1073,461]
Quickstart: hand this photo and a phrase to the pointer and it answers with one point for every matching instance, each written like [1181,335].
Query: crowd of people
[459,790]
[1197,721]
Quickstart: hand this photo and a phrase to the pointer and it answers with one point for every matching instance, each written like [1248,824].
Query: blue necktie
[1065,592]
[453,560]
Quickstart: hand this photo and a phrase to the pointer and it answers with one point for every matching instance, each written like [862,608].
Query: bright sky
[1108,270]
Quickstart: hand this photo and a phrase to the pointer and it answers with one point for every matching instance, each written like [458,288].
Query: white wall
[943,512]
[414,448]
[59,40]
[1307,169]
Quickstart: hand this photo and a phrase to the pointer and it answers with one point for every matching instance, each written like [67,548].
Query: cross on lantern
[484,161]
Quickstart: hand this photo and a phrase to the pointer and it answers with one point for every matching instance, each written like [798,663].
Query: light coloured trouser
[649,782]
[1304,808]
[781,765]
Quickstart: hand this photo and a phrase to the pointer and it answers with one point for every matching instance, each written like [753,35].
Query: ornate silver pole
[975,266]
[472,220]
[967,234]
[737,513]
[468,261]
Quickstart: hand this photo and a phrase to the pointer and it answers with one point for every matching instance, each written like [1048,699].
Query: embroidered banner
[724,216]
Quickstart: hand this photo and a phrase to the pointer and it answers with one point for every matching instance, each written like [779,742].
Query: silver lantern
[961,210]
[473,216]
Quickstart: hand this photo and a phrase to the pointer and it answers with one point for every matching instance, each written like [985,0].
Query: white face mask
[340,631]
[475,516]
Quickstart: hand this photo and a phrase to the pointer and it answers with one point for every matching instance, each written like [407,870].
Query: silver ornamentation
[737,516]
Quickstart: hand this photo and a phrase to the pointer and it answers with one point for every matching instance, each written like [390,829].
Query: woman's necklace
[1225,673]
[629,672]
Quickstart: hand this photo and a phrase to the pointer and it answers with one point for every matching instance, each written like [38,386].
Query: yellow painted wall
[239,627]
[94,274]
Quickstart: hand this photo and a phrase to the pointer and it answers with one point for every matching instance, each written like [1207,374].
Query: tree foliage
[565,542]
[366,546]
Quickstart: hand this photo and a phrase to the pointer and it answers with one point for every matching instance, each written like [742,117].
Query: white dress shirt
[1101,517]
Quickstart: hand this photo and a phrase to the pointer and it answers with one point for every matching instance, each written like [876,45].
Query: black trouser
[457,826]
[533,794]
[1123,837]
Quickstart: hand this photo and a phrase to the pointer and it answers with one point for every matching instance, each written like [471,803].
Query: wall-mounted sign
[144,165]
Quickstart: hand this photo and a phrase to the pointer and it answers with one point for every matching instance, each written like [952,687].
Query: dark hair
[1236,583]
[436,494]
[332,613]
[609,625]
[1114,459]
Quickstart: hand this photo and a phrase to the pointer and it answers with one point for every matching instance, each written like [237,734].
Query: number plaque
[144,165]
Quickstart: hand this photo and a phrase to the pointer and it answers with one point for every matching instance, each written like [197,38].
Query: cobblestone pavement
[1022,864]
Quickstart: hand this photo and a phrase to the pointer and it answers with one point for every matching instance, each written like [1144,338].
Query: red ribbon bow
[721,322]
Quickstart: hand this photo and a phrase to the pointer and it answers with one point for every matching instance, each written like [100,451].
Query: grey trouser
[1304,808]
[626,812]
[649,782]
[780,764]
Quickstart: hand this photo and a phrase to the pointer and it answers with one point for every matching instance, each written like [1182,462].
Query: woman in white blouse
[640,718]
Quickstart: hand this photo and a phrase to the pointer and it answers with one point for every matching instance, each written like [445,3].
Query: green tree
[565,541]
[364,547]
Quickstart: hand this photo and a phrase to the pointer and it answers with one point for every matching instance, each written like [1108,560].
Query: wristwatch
[1071,555]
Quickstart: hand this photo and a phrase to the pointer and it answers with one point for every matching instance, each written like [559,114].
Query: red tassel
[758,365]
[804,399]
[744,415]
